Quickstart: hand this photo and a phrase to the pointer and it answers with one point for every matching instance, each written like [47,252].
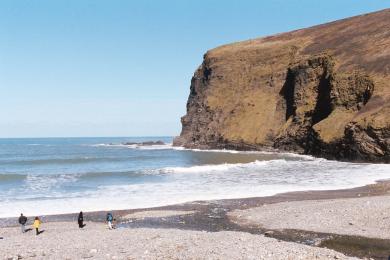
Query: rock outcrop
[323,91]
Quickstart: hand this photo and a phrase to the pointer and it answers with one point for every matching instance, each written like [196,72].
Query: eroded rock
[322,91]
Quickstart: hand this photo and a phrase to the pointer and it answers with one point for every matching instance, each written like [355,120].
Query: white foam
[287,154]
[155,147]
[169,146]
[217,167]
[207,182]
[106,145]
[138,146]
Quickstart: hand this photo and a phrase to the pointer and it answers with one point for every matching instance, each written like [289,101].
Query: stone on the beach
[93,251]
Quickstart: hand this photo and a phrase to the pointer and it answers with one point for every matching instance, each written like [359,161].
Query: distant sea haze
[40,176]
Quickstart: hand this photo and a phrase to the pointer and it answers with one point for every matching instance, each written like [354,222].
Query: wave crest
[220,167]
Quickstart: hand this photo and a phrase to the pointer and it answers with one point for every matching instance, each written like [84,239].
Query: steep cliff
[323,91]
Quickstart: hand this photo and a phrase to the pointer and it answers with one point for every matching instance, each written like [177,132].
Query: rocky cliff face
[323,91]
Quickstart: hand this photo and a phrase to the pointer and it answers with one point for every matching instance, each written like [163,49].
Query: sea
[41,176]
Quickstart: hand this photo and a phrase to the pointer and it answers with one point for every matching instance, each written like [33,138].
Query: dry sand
[368,216]
[65,240]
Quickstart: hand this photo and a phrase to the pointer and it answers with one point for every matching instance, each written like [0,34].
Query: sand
[66,241]
[367,216]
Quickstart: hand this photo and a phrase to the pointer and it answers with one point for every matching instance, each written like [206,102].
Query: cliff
[323,91]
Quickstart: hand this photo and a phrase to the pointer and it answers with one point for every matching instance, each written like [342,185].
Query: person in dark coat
[22,222]
[80,220]
[109,219]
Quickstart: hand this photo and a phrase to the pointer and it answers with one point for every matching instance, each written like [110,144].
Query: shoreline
[381,187]
[40,209]
[214,217]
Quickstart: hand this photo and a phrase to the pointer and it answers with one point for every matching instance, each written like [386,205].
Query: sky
[123,68]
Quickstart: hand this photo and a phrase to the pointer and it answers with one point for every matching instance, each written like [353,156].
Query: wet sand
[213,216]
[364,216]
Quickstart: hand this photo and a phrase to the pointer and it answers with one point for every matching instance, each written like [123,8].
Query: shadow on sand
[40,232]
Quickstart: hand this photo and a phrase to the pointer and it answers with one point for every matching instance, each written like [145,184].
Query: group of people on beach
[36,224]
[80,221]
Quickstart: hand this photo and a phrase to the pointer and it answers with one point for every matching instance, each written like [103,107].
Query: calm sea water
[61,175]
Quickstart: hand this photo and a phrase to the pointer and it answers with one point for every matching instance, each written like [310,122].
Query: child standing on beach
[37,224]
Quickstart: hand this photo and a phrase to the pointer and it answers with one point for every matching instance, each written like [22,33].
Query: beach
[64,240]
[367,217]
[278,148]
[176,203]
[297,225]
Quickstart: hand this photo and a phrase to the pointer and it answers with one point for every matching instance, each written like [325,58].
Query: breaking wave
[97,174]
[220,167]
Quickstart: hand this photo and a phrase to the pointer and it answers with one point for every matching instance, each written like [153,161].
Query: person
[37,224]
[114,223]
[109,219]
[80,220]
[22,222]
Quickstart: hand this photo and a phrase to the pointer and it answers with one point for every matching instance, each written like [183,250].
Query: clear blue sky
[123,68]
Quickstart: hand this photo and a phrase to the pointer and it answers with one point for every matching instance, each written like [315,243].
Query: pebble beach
[64,240]
[251,228]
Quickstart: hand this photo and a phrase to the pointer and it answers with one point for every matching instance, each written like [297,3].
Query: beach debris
[268,233]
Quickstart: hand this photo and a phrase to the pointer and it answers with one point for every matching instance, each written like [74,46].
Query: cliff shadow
[287,92]
[323,106]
